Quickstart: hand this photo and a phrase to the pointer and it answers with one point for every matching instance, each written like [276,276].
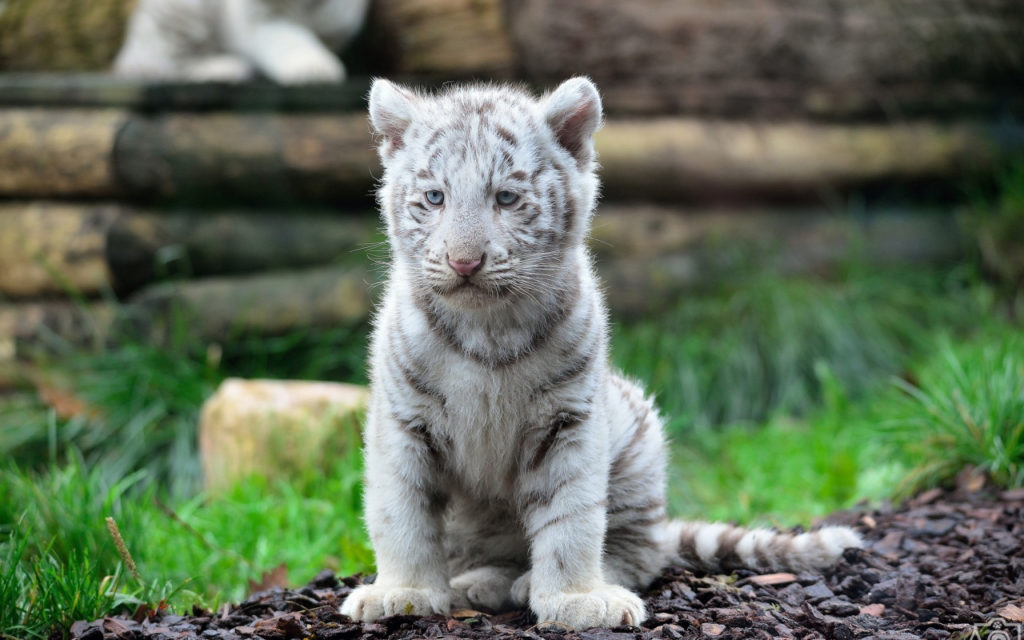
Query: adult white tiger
[289,41]
[505,460]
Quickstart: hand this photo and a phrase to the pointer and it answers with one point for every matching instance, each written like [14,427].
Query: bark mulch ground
[943,565]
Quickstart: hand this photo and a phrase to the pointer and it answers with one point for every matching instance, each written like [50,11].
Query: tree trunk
[778,57]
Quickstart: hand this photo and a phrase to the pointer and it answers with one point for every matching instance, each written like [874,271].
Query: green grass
[204,549]
[789,470]
[751,351]
[966,408]
[51,594]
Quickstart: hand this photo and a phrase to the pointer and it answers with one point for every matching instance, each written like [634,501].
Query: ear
[573,111]
[391,111]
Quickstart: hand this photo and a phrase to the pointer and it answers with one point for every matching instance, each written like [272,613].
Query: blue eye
[505,198]
[434,197]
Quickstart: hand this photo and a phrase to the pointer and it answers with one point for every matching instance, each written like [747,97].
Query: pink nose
[466,267]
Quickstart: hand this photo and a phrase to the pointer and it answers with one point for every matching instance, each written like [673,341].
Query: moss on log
[61,35]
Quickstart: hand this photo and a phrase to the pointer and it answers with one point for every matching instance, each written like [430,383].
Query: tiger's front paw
[372,601]
[484,587]
[607,605]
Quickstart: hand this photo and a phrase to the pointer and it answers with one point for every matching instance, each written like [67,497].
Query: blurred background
[811,234]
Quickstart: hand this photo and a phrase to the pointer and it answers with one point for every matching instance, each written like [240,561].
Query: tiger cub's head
[487,191]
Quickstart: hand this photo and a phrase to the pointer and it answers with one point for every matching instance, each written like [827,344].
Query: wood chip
[462,614]
[927,496]
[1012,612]
[712,629]
[1013,495]
[773,578]
[876,609]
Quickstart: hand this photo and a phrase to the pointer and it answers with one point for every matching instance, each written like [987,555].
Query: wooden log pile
[80,271]
[763,128]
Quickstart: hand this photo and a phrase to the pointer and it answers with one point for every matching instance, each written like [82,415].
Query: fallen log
[146,246]
[275,160]
[210,309]
[256,158]
[264,304]
[89,248]
[788,58]
[648,255]
[55,248]
[52,325]
[65,90]
[53,153]
[698,160]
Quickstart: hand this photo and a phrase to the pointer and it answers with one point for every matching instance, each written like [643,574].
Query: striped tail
[723,547]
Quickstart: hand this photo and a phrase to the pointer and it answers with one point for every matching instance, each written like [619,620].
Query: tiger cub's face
[486,190]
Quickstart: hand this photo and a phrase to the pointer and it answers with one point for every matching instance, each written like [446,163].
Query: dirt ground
[943,565]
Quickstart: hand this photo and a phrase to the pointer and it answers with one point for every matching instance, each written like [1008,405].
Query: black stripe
[507,136]
[560,424]
[726,555]
[639,507]
[627,454]
[536,499]
[565,516]
[570,373]
[414,379]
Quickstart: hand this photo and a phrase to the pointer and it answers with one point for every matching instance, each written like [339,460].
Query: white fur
[289,41]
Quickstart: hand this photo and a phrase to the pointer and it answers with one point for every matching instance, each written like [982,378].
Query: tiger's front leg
[564,501]
[404,507]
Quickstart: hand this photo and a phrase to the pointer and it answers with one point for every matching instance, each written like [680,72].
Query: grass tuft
[966,408]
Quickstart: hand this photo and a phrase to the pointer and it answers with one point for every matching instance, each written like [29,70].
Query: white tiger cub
[505,460]
[289,41]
